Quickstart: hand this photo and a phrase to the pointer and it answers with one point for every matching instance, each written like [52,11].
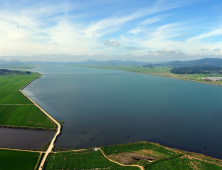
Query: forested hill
[201,62]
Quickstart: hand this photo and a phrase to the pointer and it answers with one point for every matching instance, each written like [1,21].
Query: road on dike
[55,136]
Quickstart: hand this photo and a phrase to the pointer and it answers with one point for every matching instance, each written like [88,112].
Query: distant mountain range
[200,62]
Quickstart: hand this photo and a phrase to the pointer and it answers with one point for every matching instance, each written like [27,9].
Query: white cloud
[154,19]
[136,30]
[213,33]
[170,52]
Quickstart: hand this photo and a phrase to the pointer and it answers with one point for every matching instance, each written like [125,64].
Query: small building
[95,149]
[212,78]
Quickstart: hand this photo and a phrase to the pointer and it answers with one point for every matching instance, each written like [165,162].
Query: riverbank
[159,71]
[50,147]
[17,115]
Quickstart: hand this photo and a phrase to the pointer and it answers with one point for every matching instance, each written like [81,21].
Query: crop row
[18,160]
[13,97]
[24,115]
[81,160]
[15,82]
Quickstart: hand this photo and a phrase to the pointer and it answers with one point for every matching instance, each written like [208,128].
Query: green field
[13,97]
[81,160]
[159,71]
[182,163]
[17,110]
[161,157]
[24,115]
[18,160]
[15,82]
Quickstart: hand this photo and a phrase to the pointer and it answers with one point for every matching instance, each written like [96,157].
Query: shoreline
[58,127]
[173,76]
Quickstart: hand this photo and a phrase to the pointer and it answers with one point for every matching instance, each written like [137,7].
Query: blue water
[106,107]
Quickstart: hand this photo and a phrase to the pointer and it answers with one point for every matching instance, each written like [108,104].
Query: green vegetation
[114,149]
[197,70]
[57,149]
[181,163]
[44,147]
[159,71]
[13,72]
[39,161]
[61,121]
[16,110]
[18,160]
[13,97]
[81,160]
[15,82]
[155,156]
[24,115]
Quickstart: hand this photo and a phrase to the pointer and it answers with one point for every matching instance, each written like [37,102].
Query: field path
[49,116]
[118,162]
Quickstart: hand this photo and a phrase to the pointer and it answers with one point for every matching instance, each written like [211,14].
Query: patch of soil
[131,157]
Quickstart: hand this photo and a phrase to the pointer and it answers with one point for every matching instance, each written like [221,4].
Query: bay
[107,107]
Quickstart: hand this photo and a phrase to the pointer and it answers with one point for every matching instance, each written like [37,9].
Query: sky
[78,30]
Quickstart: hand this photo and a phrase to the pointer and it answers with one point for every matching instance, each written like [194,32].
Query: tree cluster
[197,69]
[6,71]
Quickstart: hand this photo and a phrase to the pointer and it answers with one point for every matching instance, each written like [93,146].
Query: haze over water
[107,107]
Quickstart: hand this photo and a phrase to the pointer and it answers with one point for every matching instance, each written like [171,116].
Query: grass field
[155,156]
[23,114]
[18,160]
[13,97]
[81,160]
[159,71]
[15,82]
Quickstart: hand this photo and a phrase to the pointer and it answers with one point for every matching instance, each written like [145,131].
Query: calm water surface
[106,107]
[24,139]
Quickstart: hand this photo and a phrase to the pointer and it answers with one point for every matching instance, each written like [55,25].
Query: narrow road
[118,162]
[56,134]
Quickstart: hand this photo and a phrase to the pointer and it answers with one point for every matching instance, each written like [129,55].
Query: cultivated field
[81,160]
[16,110]
[24,115]
[15,82]
[154,156]
[18,160]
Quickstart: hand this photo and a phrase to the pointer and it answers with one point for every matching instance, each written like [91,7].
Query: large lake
[106,107]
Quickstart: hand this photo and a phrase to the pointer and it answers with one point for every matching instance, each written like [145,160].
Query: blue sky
[155,30]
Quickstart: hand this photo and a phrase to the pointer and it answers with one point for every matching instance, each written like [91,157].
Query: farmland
[151,156]
[154,156]
[18,160]
[81,160]
[16,110]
